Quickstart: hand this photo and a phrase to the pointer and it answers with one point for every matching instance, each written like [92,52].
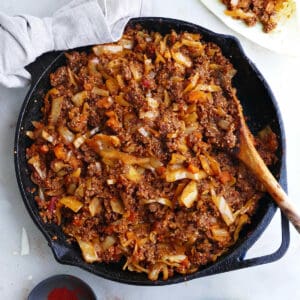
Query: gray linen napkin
[81,22]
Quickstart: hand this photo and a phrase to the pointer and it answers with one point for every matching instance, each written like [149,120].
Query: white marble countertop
[276,281]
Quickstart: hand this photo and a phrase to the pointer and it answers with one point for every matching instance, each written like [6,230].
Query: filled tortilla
[284,37]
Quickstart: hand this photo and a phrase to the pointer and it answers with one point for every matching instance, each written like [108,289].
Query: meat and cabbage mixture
[268,12]
[132,155]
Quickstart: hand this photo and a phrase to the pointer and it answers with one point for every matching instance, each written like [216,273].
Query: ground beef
[133,156]
[60,76]
[263,11]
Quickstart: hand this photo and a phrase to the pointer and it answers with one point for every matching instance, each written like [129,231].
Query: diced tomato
[109,229]
[77,222]
[225,177]
[44,148]
[60,152]
[52,204]
[193,169]
[74,162]
[87,86]
[132,217]
[104,102]
[161,170]
[185,262]
[146,83]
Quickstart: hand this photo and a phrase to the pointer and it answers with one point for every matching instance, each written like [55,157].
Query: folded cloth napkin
[79,23]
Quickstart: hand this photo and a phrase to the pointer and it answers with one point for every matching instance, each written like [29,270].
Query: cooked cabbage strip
[223,208]
[71,202]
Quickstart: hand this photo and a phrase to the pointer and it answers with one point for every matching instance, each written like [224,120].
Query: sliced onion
[224,124]
[197,96]
[182,59]
[159,58]
[88,250]
[124,157]
[106,49]
[143,132]
[156,269]
[41,194]
[244,219]
[58,165]
[149,115]
[133,175]
[112,86]
[108,242]
[95,206]
[148,65]
[93,131]
[82,138]
[67,135]
[46,136]
[79,141]
[79,98]
[55,109]
[205,164]
[71,188]
[120,81]
[135,267]
[207,88]
[152,103]
[195,44]
[100,92]
[174,260]
[76,173]
[223,208]
[193,81]
[117,206]
[71,202]
[155,162]
[71,77]
[234,2]
[120,100]
[110,181]
[174,175]
[116,63]
[107,141]
[167,100]
[92,65]
[220,234]
[35,162]
[189,194]
[160,200]
[30,134]
[127,44]
[135,72]
[240,14]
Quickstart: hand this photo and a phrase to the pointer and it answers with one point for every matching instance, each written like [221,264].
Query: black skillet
[260,108]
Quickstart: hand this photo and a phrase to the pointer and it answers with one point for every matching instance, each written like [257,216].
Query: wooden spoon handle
[251,158]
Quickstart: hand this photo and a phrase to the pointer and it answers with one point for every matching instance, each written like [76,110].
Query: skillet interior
[259,107]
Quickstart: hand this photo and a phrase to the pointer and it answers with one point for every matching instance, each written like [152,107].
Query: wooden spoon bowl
[246,152]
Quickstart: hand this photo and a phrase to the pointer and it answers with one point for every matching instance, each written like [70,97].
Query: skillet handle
[285,241]
[38,67]
[62,253]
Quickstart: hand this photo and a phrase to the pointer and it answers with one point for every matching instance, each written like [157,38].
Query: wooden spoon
[247,153]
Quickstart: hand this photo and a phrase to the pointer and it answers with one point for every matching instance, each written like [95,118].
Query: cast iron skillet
[260,108]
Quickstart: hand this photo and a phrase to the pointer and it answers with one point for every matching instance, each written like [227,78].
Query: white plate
[284,39]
